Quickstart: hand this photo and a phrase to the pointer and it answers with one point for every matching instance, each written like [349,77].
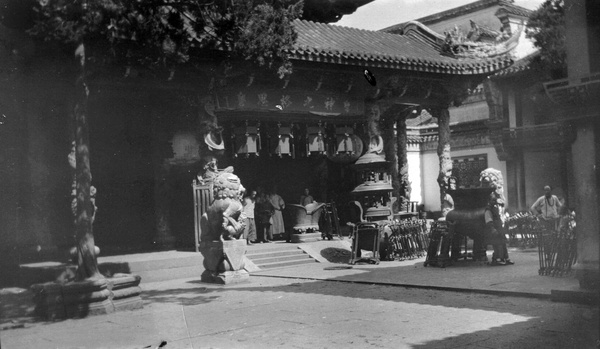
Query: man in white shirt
[248,212]
[547,207]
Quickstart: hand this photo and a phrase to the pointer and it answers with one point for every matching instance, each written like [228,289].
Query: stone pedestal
[126,291]
[306,237]
[225,277]
[224,261]
[55,301]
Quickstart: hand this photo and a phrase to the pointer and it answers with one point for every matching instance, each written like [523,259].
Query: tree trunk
[443,150]
[87,265]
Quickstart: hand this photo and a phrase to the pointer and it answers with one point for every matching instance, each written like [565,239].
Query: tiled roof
[419,138]
[419,49]
[424,118]
[521,65]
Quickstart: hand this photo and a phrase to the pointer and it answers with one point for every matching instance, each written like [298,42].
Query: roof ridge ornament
[459,45]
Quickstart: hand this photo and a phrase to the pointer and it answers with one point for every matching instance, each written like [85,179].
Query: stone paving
[324,305]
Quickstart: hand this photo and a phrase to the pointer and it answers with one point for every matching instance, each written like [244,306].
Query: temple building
[546,130]
[151,132]
[484,24]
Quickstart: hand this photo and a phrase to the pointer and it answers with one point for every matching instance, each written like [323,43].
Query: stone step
[277,255]
[287,264]
[171,274]
[271,247]
[261,254]
[272,259]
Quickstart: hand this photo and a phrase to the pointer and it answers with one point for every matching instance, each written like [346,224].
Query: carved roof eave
[502,49]
[419,49]
[403,64]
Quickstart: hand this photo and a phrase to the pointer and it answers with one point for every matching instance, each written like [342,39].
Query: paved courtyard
[325,308]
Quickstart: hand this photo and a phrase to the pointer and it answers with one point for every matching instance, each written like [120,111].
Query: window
[466,169]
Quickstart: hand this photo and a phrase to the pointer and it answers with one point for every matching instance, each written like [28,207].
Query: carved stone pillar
[162,198]
[163,190]
[396,153]
[390,147]
[443,149]
[493,97]
[401,141]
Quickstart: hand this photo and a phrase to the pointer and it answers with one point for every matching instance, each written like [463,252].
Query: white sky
[380,14]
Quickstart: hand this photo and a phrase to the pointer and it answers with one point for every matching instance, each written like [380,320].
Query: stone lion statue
[223,219]
[492,178]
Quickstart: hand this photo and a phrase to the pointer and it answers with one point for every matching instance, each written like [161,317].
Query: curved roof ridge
[419,49]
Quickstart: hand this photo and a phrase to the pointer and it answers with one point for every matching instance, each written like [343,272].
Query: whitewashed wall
[430,168]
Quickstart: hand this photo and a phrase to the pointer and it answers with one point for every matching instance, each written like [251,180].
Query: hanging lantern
[285,141]
[315,140]
[247,140]
[344,141]
[214,141]
[347,147]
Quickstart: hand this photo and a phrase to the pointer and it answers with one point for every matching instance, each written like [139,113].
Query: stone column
[585,159]
[401,139]
[443,149]
[162,150]
[162,198]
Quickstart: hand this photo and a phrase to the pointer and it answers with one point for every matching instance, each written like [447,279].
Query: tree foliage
[546,26]
[166,32]
[155,33]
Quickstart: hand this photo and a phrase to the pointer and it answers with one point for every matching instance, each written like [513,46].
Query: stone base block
[226,277]
[130,303]
[56,301]
[126,292]
[589,279]
[307,237]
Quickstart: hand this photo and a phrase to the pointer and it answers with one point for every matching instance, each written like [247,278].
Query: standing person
[495,230]
[263,212]
[306,198]
[548,208]
[249,203]
[278,205]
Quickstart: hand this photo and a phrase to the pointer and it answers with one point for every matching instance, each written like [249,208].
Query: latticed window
[466,169]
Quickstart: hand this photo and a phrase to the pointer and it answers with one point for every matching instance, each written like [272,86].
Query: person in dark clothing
[263,211]
[495,230]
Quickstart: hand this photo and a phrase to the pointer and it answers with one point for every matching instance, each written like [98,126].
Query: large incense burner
[373,196]
[374,193]
[467,218]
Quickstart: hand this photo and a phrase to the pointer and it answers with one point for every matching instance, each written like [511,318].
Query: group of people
[263,216]
[548,208]
[263,213]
